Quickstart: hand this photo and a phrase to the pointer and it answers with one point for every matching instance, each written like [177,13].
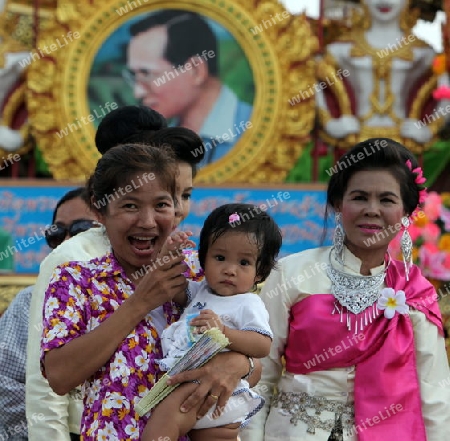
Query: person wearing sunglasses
[63,227]
[56,234]
[71,216]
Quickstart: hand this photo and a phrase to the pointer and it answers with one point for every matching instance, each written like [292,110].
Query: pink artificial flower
[234,218]
[441,93]
[432,206]
[445,217]
[436,268]
[427,253]
[446,261]
[423,196]
[431,233]
[418,171]
[414,232]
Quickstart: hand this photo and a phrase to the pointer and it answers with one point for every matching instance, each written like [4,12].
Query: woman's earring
[338,238]
[406,246]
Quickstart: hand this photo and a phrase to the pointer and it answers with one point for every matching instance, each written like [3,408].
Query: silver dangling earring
[406,246]
[338,238]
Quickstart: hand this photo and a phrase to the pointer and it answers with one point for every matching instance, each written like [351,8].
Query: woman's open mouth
[142,244]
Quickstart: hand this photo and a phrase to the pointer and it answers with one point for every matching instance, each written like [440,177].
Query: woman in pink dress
[358,349]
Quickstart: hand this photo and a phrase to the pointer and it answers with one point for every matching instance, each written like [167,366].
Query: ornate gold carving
[44,119]
[382,67]
[40,79]
[17,21]
[10,287]
[324,71]
[16,35]
[16,99]
[280,57]
[7,45]
[408,18]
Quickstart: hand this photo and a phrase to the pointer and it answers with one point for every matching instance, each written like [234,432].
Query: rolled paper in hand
[208,345]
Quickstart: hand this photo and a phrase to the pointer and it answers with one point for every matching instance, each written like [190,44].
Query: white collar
[352,264]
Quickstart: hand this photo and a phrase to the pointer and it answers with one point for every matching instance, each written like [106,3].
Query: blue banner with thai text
[26,211]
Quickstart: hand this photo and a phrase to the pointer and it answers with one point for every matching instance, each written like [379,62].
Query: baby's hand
[177,241]
[207,319]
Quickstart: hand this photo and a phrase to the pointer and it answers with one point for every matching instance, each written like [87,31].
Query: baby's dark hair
[252,220]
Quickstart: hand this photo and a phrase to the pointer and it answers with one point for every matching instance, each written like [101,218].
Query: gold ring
[214,396]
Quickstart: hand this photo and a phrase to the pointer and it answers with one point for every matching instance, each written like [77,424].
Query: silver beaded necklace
[355,295]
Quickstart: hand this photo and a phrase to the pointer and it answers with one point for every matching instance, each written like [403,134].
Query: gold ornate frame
[10,286]
[281,57]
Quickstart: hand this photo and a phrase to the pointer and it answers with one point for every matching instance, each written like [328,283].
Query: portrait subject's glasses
[143,76]
[55,234]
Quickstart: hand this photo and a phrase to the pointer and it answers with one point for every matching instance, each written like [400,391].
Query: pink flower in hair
[418,171]
[419,180]
[234,218]
[422,196]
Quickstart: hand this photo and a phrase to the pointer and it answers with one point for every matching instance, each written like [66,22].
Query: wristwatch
[252,368]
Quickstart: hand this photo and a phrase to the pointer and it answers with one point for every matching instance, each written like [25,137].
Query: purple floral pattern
[81,295]
[195,271]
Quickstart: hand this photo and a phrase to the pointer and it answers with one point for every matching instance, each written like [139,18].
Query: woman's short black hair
[185,143]
[79,192]
[253,220]
[382,154]
[122,123]
[376,154]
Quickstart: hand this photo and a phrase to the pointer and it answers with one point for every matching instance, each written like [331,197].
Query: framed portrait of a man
[223,68]
[184,65]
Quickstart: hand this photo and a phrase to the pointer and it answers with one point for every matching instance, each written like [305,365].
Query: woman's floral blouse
[80,296]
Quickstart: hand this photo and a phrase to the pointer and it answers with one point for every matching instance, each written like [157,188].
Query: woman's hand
[218,378]
[162,281]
